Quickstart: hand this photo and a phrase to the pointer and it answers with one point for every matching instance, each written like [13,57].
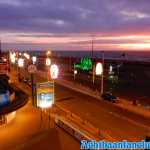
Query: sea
[128,55]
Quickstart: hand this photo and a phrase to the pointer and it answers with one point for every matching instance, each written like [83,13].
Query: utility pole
[93,71]
[92,47]
[102,77]
[0,46]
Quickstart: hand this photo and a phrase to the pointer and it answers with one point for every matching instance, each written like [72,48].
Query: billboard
[45,94]
[85,64]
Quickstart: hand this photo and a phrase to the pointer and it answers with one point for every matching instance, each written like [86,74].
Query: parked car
[109,97]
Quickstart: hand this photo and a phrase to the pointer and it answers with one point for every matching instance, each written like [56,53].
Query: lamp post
[75,73]
[48,53]
[102,80]
[34,59]
[20,65]
[54,71]
[99,71]
[48,63]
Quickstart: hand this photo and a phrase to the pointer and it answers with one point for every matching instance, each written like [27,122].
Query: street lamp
[99,71]
[75,73]
[26,55]
[99,68]
[48,63]
[21,62]
[48,53]
[54,71]
[12,57]
[110,69]
[34,59]
[20,65]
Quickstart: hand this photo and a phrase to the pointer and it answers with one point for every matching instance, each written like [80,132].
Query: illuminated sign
[85,64]
[99,68]
[20,62]
[34,59]
[45,94]
[54,71]
[48,61]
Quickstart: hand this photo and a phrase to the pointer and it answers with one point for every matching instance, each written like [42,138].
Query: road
[27,125]
[118,123]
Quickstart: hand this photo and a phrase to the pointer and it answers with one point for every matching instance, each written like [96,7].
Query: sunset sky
[72,24]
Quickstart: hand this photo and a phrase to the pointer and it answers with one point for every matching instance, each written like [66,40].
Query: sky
[73,24]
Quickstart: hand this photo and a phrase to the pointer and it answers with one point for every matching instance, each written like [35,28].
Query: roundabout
[11,99]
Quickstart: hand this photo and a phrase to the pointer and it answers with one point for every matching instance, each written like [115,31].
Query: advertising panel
[45,94]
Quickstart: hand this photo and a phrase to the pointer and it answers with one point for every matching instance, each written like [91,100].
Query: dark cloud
[74,16]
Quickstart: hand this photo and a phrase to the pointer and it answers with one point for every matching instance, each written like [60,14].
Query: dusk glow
[70,25]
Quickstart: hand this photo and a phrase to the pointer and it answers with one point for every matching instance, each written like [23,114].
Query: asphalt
[118,123]
[27,131]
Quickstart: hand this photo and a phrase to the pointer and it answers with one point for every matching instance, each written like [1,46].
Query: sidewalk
[122,103]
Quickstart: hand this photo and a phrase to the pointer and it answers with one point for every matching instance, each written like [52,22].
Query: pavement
[28,131]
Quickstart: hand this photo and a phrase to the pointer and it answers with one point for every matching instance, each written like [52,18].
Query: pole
[0,46]
[48,73]
[74,72]
[32,86]
[92,47]
[93,77]
[102,77]
[93,74]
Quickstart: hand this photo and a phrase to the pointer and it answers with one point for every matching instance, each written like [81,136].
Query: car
[109,97]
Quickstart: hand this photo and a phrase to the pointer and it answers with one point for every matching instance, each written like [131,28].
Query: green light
[85,64]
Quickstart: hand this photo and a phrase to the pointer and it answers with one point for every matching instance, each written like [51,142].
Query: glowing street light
[48,53]
[75,73]
[21,62]
[34,59]
[110,69]
[12,57]
[26,55]
[48,62]
[99,71]
[54,71]
[99,68]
